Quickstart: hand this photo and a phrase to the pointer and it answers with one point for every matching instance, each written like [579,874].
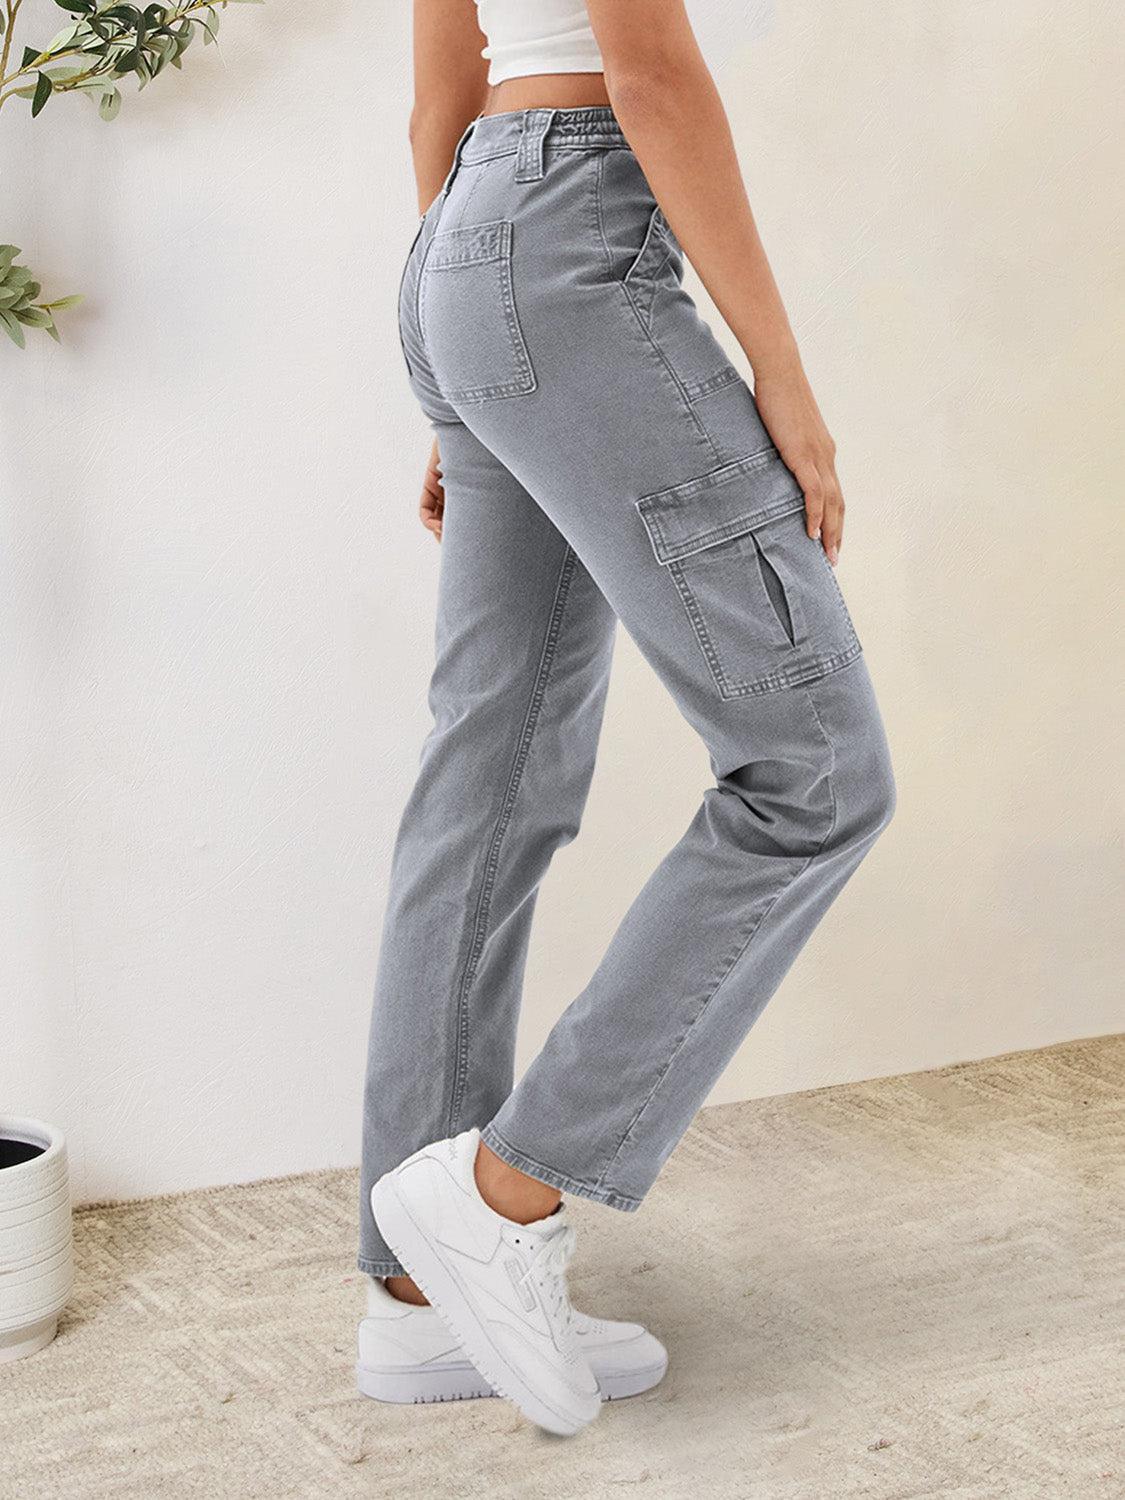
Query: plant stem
[12,10]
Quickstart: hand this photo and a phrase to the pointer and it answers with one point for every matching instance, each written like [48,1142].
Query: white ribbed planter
[35,1235]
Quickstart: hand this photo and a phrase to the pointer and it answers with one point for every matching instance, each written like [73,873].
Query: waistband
[526,132]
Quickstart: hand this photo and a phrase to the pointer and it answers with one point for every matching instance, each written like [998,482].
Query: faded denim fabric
[603,461]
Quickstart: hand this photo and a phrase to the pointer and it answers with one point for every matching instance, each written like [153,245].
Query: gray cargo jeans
[602,460]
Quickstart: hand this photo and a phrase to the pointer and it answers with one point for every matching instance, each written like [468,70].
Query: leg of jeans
[524,641]
[547,307]
[705,945]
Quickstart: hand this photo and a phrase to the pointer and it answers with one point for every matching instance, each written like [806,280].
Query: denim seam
[574,146]
[663,361]
[599,174]
[755,929]
[726,473]
[478,178]
[699,390]
[645,330]
[492,860]
[699,627]
[648,279]
[608,1197]
[457,166]
[840,595]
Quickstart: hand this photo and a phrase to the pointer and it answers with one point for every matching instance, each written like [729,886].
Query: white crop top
[537,36]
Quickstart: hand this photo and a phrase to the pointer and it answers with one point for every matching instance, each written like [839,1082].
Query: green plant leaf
[34,317]
[53,331]
[109,109]
[58,42]
[14,331]
[62,302]
[8,295]
[18,276]
[43,90]
[29,56]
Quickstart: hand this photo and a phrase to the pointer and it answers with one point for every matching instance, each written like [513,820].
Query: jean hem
[381,1267]
[553,1178]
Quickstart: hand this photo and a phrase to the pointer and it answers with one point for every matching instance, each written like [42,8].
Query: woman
[600,459]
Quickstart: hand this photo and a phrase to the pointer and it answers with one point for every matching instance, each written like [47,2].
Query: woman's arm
[666,103]
[450,84]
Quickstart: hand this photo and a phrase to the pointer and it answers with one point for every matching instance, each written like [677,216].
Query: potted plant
[36,1265]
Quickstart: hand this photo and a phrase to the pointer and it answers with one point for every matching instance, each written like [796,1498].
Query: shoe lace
[548,1262]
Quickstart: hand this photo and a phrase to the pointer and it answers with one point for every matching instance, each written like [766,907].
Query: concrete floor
[905,1288]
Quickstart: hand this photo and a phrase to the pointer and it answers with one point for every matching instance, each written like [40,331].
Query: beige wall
[214,630]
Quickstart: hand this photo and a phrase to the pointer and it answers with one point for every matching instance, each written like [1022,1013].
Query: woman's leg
[524,641]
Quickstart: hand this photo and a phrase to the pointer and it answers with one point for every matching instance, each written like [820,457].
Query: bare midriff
[546,91]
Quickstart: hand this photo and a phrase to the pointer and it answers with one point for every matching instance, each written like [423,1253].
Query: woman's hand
[788,408]
[431,508]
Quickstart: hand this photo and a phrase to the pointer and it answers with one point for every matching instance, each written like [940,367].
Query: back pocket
[467,315]
[761,595]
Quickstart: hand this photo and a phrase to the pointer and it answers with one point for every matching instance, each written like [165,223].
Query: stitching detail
[705,644]
[773,682]
[840,595]
[599,177]
[725,474]
[750,521]
[676,381]
[700,389]
[458,164]
[682,1043]
[561,1180]
[576,146]
[525,381]
[492,860]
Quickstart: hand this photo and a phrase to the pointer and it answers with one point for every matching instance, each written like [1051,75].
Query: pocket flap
[726,503]
[470,245]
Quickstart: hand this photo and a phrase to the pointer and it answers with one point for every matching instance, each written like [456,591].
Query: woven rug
[911,1287]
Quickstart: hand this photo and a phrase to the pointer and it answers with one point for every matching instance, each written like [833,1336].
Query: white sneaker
[499,1286]
[406,1353]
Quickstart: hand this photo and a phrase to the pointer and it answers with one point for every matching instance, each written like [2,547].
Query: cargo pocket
[761,595]
[467,315]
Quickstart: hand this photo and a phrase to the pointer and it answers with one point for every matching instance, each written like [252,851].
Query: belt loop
[529,157]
